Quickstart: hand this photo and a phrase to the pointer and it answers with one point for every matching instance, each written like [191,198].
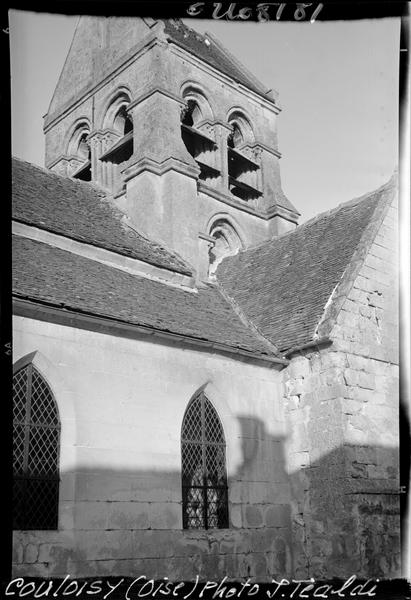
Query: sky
[337,82]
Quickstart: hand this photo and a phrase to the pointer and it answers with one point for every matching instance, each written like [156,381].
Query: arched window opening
[227,242]
[83,147]
[79,148]
[204,475]
[242,169]
[122,149]
[235,138]
[198,143]
[36,443]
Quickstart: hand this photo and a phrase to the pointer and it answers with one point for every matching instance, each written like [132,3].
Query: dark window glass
[204,476]
[36,442]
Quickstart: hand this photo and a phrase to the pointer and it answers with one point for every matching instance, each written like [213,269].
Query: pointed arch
[64,396]
[204,471]
[36,450]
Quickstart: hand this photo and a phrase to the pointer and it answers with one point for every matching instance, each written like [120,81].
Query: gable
[97,44]
[284,285]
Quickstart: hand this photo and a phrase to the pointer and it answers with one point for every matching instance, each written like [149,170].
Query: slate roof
[284,285]
[78,210]
[46,274]
[195,43]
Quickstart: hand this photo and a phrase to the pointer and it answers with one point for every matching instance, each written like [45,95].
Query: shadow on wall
[335,517]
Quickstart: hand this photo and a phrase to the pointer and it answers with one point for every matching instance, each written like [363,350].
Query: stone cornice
[280,211]
[258,144]
[274,211]
[62,157]
[155,90]
[159,168]
[31,308]
[102,132]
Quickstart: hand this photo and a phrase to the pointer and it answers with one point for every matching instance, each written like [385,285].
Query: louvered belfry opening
[36,442]
[204,476]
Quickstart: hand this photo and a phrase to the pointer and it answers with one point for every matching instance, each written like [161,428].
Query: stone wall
[121,404]
[343,409]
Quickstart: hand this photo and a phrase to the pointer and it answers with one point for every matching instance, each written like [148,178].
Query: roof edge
[43,311]
[339,294]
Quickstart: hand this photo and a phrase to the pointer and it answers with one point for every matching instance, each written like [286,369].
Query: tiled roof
[78,210]
[210,52]
[284,285]
[46,274]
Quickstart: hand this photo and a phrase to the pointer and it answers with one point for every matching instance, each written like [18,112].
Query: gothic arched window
[36,442]
[204,476]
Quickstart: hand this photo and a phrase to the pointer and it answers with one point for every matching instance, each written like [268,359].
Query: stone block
[382,253]
[331,392]
[99,545]
[253,516]
[128,515]
[18,551]
[351,407]
[351,306]
[377,263]
[165,515]
[299,367]
[91,515]
[277,516]
[376,275]
[358,295]
[359,378]
[236,518]
[31,553]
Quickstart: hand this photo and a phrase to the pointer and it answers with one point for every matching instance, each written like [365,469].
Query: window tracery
[204,477]
[36,445]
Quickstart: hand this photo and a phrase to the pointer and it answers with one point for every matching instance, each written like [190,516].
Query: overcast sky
[338,86]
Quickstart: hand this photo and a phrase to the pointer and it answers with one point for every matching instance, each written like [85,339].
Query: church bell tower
[179,135]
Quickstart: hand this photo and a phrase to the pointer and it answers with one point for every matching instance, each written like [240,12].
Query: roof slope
[212,52]
[100,44]
[284,285]
[46,274]
[78,210]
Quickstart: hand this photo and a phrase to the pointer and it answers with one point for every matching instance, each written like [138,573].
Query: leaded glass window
[204,477]
[36,441]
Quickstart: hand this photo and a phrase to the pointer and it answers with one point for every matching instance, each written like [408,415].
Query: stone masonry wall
[342,404]
[121,404]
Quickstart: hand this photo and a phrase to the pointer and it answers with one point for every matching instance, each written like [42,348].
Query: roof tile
[283,285]
[79,210]
[43,273]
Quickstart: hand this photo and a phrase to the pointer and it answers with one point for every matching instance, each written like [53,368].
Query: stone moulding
[232,201]
[159,168]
